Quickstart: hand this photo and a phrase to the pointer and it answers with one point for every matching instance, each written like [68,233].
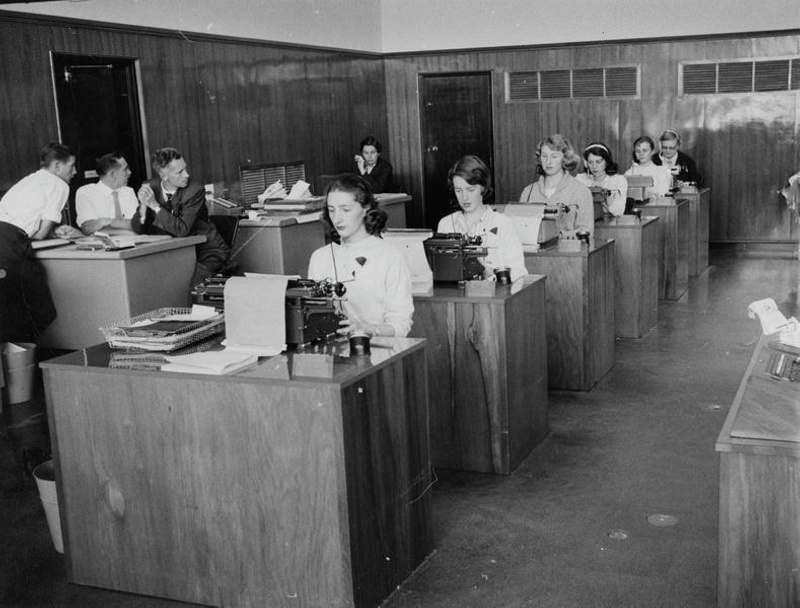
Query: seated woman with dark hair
[375,170]
[601,172]
[378,299]
[555,158]
[643,164]
[471,183]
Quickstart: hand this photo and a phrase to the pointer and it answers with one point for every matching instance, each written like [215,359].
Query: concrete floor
[570,526]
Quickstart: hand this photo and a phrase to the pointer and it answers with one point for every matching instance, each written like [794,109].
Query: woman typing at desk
[556,187]
[643,164]
[378,282]
[601,172]
[471,183]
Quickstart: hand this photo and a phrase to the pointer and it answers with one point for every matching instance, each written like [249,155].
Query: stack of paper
[217,362]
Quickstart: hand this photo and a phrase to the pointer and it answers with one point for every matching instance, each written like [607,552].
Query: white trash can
[45,475]
[19,370]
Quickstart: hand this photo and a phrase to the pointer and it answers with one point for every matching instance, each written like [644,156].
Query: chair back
[227,226]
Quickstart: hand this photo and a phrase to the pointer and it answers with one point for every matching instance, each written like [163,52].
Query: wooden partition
[745,145]
[222,102]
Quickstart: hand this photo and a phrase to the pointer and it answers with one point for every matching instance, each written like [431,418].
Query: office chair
[228,227]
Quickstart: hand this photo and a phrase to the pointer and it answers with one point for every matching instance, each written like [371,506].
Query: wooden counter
[278,244]
[395,207]
[262,488]
[580,311]
[92,289]
[487,373]
[699,205]
[673,231]
[759,492]
[635,272]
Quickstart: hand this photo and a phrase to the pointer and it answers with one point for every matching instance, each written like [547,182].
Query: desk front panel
[93,293]
[699,205]
[635,273]
[487,375]
[240,491]
[674,233]
[759,492]
[282,249]
[580,312]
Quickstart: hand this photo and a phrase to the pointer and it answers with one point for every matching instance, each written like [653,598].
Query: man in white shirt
[108,203]
[31,210]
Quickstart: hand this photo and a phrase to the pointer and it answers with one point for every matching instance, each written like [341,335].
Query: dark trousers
[26,306]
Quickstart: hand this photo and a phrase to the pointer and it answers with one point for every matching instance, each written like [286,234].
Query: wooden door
[456,119]
[97,103]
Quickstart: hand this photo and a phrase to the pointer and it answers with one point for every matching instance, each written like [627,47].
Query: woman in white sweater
[601,172]
[471,183]
[643,149]
[378,282]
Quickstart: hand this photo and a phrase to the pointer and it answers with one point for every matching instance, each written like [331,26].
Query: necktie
[117,208]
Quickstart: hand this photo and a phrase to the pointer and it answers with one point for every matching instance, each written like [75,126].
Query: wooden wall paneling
[27,111]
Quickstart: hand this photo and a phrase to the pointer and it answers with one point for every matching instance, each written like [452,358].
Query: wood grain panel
[715,129]
[673,237]
[221,103]
[487,375]
[242,490]
[580,312]
[635,273]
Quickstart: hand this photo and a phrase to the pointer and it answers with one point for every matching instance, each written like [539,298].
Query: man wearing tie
[173,203]
[109,203]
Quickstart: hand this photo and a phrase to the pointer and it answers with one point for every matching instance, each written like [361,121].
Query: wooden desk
[699,204]
[673,236]
[92,289]
[487,374]
[257,489]
[276,245]
[759,492]
[580,311]
[395,207]
[635,272]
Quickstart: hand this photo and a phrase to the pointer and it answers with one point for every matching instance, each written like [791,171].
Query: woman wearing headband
[471,183]
[556,187]
[601,172]
[643,164]
[684,171]
[375,274]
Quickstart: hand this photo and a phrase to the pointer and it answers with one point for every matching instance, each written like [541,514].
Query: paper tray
[117,338]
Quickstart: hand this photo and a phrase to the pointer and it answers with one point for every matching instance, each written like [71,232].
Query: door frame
[420,135]
[137,85]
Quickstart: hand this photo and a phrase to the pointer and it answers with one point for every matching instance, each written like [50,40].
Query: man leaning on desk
[110,202]
[173,203]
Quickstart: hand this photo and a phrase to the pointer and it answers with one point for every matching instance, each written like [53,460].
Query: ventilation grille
[741,76]
[256,178]
[584,83]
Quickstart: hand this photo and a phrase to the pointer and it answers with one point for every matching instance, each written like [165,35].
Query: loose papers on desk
[255,314]
[215,362]
[772,320]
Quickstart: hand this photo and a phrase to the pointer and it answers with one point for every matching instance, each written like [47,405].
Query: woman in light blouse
[378,282]
[601,172]
[643,149]
[471,183]
[555,186]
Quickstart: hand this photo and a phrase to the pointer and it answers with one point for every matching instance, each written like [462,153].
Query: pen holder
[359,343]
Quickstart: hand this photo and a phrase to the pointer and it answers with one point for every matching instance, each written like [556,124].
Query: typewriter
[313,308]
[313,311]
[455,258]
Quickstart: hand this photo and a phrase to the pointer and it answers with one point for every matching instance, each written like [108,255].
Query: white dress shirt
[94,201]
[36,197]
